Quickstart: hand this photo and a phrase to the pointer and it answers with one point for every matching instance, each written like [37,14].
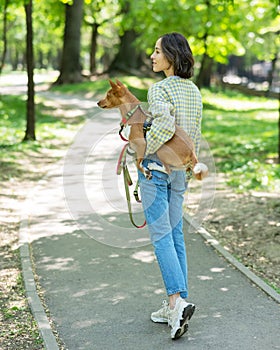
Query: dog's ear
[113,85]
[119,83]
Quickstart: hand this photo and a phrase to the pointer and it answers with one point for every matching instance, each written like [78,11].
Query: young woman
[175,99]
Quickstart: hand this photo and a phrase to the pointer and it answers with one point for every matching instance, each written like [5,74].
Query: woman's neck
[169,72]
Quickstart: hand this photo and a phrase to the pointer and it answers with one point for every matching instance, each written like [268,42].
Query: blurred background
[234,41]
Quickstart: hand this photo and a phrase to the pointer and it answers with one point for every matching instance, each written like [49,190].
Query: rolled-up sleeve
[162,112]
[195,132]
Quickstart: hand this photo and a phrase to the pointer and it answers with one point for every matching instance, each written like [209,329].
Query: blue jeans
[162,199]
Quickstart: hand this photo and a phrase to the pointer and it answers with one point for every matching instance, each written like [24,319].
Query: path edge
[31,293]
[233,261]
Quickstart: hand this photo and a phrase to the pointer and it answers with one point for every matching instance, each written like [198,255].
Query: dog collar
[128,115]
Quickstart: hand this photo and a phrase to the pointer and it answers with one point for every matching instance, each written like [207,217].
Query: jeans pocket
[159,176]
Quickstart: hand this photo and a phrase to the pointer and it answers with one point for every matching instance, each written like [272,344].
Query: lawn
[51,133]
[243,134]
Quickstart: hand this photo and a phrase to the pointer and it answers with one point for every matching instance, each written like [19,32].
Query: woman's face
[159,61]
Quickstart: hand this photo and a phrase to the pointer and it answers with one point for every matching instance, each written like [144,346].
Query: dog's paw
[200,171]
[148,175]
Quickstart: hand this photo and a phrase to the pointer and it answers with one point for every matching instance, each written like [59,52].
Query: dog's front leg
[139,146]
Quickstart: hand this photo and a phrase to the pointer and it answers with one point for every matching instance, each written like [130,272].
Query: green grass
[50,130]
[242,131]
[273,286]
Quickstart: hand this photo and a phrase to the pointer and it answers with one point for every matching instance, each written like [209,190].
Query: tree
[30,107]
[128,57]
[96,18]
[4,36]
[70,69]
[215,29]
[48,21]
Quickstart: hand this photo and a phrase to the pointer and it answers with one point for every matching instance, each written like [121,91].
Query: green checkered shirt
[173,100]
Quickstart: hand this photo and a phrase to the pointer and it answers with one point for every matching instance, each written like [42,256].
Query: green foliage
[221,27]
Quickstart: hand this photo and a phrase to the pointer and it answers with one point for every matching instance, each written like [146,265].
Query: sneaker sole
[187,315]
[159,320]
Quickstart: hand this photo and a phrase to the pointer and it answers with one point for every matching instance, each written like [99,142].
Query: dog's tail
[200,171]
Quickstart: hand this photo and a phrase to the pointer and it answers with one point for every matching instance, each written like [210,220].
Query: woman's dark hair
[177,51]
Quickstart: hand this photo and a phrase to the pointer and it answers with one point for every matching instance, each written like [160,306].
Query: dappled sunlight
[95,261]
[144,256]
[134,81]
[159,291]
[61,264]
[205,278]
[100,212]
[114,256]
[95,194]
[117,299]
[238,102]
[217,269]
[88,323]
[85,292]
[58,101]
[214,271]
[62,112]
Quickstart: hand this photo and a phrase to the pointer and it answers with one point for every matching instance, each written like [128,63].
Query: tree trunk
[127,58]
[93,46]
[204,75]
[30,107]
[71,70]
[4,36]
[272,71]
[270,81]
[278,128]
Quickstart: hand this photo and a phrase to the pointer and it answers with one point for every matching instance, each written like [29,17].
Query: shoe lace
[164,310]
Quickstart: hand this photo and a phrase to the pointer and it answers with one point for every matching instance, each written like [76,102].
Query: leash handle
[125,172]
[122,167]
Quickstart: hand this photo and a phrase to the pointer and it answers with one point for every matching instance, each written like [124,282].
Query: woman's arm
[163,119]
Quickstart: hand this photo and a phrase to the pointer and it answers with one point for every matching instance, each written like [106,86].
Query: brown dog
[178,152]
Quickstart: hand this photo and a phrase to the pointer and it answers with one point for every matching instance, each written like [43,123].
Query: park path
[98,276]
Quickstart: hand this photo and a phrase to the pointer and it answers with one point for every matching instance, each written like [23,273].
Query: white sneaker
[161,316]
[179,316]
